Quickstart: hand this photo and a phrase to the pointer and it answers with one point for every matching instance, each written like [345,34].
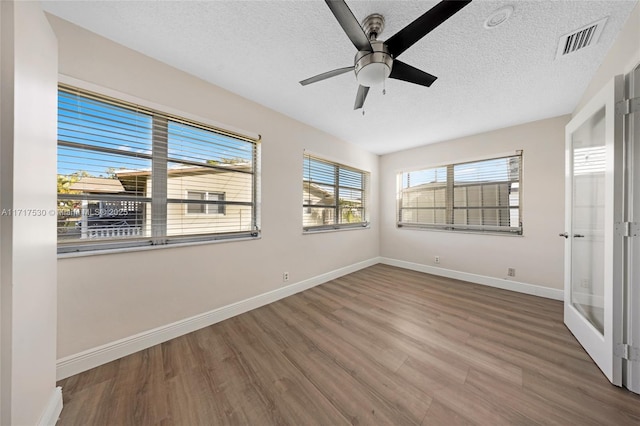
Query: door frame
[631,368]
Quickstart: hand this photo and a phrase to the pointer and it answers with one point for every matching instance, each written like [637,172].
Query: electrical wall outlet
[511,272]
[285,277]
[436,259]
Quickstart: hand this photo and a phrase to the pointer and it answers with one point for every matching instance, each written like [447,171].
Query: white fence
[114,232]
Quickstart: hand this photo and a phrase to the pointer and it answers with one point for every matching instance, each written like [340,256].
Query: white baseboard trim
[86,360]
[51,414]
[533,289]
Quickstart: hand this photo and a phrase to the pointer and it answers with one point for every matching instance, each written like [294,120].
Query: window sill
[325,230]
[460,231]
[150,247]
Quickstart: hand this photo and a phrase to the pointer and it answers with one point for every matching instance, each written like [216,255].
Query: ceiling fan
[376,59]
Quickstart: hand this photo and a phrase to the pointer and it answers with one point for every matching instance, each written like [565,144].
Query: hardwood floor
[381,346]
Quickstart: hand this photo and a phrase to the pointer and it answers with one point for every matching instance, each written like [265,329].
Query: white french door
[593,299]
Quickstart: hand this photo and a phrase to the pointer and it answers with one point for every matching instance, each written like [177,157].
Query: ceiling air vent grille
[581,38]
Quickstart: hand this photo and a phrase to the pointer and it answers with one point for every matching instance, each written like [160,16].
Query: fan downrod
[373,25]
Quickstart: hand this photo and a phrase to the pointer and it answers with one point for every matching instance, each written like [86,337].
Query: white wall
[28,244]
[103,298]
[621,58]
[537,256]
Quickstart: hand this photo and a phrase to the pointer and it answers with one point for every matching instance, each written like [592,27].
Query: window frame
[207,206]
[88,90]
[335,207]
[449,185]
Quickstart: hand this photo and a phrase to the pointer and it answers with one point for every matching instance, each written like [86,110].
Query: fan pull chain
[384,84]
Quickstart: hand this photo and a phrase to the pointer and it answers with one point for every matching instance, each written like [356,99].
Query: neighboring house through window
[475,196]
[133,176]
[334,195]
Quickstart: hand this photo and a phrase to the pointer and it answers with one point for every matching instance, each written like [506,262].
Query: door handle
[564,234]
[578,236]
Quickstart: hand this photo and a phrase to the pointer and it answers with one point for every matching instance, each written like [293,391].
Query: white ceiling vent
[581,38]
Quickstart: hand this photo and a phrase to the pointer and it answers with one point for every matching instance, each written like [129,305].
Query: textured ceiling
[487,79]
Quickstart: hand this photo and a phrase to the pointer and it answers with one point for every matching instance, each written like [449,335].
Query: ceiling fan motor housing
[374,67]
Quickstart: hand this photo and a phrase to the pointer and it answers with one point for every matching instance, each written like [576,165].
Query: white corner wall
[104,298]
[28,244]
[623,56]
[537,256]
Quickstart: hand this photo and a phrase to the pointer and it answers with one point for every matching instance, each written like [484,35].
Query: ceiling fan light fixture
[373,68]
[373,74]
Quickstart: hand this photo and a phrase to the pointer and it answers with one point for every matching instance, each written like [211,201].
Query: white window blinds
[132,176]
[476,196]
[334,195]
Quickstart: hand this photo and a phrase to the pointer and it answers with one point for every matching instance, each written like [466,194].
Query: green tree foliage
[65,182]
[350,211]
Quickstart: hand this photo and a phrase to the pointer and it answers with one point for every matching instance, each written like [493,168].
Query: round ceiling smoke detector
[498,17]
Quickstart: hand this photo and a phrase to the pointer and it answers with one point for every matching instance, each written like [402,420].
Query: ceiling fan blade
[406,37]
[361,96]
[326,75]
[349,24]
[405,72]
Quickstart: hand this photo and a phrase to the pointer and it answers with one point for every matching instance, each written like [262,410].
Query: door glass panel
[587,233]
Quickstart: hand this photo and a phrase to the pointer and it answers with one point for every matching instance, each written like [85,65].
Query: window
[476,196]
[133,176]
[202,208]
[334,195]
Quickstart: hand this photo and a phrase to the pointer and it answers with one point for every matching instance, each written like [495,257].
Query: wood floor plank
[427,375]
[439,414]
[287,392]
[599,411]
[528,356]
[365,338]
[455,351]
[470,406]
[523,407]
[193,399]
[88,405]
[383,345]
[371,375]
[357,403]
